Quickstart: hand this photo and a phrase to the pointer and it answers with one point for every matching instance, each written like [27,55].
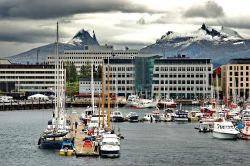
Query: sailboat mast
[217,87]
[56,113]
[116,94]
[103,97]
[92,88]
[108,95]
[99,109]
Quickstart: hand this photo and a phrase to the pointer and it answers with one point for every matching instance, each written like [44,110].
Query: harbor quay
[31,105]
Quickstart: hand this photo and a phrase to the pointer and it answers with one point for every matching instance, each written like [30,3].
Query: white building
[85,86]
[95,53]
[182,77]
[150,76]
[122,76]
[27,78]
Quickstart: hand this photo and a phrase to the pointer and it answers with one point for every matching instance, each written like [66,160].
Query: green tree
[85,71]
[71,73]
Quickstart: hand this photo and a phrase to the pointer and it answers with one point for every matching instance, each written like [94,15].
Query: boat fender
[39,141]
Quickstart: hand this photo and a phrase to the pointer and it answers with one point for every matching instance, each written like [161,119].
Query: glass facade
[144,67]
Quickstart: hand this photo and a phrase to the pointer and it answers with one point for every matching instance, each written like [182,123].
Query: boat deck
[81,148]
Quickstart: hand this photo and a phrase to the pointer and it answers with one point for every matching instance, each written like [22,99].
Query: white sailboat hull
[181,119]
[220,135]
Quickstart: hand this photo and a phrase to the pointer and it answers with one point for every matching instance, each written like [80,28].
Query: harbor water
[145,143]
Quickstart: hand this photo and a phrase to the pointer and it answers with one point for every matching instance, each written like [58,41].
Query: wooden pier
[83,147]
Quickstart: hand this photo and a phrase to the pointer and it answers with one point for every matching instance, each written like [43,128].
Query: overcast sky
[25,24]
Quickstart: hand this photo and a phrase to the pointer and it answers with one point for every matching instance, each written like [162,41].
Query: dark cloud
[208,10]
[45,9]
[235,22]
[11,33]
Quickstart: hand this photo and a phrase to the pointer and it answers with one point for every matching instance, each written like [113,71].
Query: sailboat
[56,132]
[90,111]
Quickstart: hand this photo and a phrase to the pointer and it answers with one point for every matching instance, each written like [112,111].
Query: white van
[6,99]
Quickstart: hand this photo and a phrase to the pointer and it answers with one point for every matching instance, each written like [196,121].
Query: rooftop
[240,61]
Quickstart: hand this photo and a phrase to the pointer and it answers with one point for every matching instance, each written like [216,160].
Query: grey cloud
[45,9]
[236,22]
[208,10]
[11,33]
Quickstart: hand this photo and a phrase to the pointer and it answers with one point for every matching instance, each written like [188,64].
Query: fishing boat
[110,146]
[132,117]
[225,130]
[67,149]
[57,129]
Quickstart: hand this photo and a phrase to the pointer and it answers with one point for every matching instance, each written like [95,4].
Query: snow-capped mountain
[80,39]
[206,42]
[83,38]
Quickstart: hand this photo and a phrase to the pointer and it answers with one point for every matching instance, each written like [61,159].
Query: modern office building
[122,76]
[93,53]
[28,78]
[235,78]
[150,76]
[85,86]
[182,78]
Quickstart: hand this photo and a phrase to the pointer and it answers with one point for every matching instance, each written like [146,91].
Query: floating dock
[83,146]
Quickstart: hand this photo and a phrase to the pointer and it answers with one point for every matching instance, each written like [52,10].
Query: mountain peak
[83,37]
[210,31]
